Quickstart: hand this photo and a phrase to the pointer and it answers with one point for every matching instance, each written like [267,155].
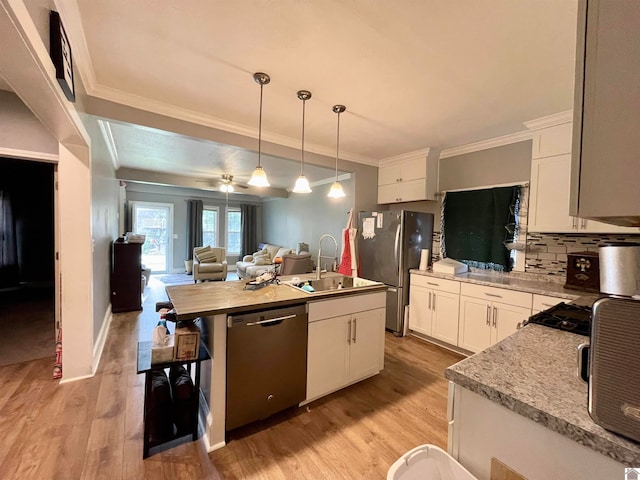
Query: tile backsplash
[546,253]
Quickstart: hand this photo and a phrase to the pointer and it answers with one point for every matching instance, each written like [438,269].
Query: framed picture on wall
[60,52]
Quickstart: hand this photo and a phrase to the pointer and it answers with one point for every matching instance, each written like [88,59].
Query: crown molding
[28,155]
[550,120]
[485,144]
[105,129]
[172,111]
[423,153]
[70,13]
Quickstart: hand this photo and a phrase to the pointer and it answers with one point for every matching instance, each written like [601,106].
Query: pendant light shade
[336,190]
[302,184]
[259,177]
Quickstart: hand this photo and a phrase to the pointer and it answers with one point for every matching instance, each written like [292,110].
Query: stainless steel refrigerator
[389,244]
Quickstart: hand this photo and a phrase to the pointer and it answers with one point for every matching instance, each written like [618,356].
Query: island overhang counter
[214,302]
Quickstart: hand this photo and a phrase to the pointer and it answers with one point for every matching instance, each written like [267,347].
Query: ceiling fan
[227,184]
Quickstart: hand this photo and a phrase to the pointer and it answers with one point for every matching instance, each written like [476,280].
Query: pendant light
[336,189]
[302,184]
[259,177]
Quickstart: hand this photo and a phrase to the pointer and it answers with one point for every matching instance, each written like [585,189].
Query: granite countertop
[533,373]
[525,283]
[227,297]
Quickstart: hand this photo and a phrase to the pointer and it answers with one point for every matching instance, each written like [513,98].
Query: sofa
[264,260]
[293,264]
[209,263]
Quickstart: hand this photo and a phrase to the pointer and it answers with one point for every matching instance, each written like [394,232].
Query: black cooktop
[567,317]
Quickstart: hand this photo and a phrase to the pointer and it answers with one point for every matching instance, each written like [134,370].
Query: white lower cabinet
[344,348]
[481,430]
[434,307]
[489,314]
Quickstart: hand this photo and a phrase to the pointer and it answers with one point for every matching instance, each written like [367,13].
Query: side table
[145,366]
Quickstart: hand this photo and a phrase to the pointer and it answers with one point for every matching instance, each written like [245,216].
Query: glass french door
[155,221]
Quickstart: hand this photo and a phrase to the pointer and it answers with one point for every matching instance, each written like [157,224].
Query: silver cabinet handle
[583,223]
[492,295]
[349,334]
[434,284]
[355,328]
[434,302]
[574,222]
[429,300]
[488,316]
[495,311]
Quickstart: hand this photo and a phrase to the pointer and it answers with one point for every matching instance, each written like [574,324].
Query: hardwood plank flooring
[92,428]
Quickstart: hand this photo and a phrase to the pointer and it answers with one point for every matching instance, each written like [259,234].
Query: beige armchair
[209,263]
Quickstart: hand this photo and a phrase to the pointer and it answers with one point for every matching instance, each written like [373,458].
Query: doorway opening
[27,265]
[155,221]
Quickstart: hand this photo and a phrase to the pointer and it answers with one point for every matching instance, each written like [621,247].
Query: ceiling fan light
[227,188]
[302,185]
[336,191]
[259,178]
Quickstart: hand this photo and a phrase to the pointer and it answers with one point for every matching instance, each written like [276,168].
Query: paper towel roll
[424,259]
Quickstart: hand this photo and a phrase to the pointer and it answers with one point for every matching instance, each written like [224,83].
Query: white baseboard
[75,379]
[98,347]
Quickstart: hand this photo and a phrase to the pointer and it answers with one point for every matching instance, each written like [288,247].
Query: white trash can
[427,462]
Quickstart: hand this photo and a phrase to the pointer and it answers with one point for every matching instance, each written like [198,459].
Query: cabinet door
[327,355]
[413,169]
[389,174]
[444,324]
[412,190]
[507,319]
[420,309]
[592,226]
[475,324]
[388,193]
[552,141]
[549,195]
[366,355]
[608,159]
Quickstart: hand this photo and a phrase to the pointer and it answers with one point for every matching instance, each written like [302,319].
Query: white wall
[20,130]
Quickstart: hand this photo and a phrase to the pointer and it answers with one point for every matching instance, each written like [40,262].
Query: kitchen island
[345,336]
[522,402]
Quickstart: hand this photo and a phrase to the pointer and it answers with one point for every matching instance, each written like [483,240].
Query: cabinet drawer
[542,302]
[434,283]
[346,305]
[502,295]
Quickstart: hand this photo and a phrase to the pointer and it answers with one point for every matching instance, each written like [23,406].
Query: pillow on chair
[207,257]
[198,250]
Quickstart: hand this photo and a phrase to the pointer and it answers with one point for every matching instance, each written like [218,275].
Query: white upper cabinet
[549,192]
[606,166]
[408,179]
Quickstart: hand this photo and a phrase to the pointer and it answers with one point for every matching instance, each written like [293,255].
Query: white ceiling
[413,74]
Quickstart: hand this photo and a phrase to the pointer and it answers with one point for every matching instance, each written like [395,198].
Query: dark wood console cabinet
[126,272]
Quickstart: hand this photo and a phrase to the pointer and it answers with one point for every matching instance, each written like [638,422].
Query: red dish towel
[345,264]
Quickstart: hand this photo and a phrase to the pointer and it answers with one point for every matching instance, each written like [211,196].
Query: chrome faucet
[320,256]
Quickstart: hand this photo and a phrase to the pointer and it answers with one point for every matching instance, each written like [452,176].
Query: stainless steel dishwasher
[266,363]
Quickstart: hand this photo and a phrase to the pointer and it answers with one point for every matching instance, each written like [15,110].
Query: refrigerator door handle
[395,249]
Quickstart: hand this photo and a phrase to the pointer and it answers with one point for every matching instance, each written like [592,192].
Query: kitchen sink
[334,283]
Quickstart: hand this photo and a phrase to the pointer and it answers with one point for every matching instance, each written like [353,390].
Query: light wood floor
[92,429]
